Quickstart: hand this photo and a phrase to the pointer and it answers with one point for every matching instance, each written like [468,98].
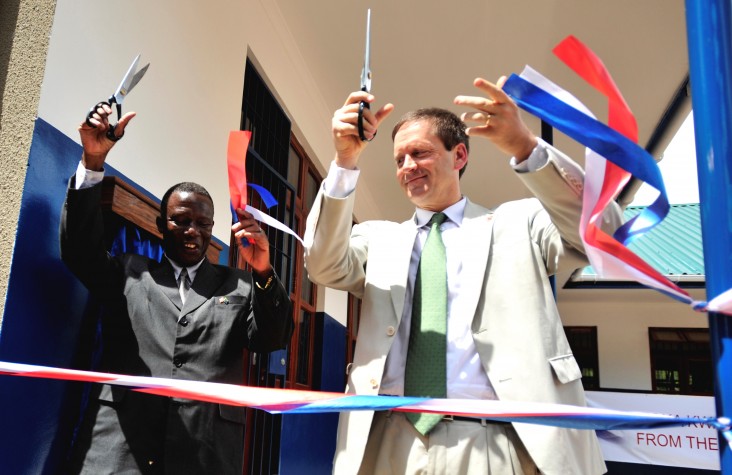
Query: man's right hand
[348,144]
[94,138]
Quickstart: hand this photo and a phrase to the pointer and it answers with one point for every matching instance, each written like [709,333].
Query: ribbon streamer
[291,401]
[269,220]
[611,157]
[236,165]
[236,156]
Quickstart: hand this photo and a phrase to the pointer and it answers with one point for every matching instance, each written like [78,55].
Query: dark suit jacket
[147,332]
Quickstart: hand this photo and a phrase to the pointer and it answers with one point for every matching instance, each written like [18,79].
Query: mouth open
[190,247]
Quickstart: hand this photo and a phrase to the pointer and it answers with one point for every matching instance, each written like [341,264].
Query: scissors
[365,78]
[129,81]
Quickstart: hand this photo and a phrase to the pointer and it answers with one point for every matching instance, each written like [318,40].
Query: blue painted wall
[44,309]
[308,440]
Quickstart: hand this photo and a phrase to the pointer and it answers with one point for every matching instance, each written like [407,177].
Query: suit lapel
[401,255]
[164,275]
[478,225]
[203,287]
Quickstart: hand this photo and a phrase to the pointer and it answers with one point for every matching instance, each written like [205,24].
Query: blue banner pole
[708,25]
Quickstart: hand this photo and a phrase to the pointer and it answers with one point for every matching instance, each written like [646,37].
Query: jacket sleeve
[559,186]
[81,239]
[336,253]
[272,325]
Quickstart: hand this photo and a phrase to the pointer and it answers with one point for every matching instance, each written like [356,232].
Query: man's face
[187,230]
[427,172]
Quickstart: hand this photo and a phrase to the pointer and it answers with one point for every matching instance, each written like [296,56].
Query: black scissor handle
[110,131]
[93,111]
[361,106]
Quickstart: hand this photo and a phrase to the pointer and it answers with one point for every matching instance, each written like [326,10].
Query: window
[305,181]
[583,341]
[276,161]
[681,361]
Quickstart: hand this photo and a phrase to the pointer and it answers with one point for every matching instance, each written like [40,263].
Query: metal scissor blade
[136,78]
[130,80]
[366,72]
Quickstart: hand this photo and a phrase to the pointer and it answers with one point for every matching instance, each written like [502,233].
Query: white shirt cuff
[87,178]
[538,158]
[340,182]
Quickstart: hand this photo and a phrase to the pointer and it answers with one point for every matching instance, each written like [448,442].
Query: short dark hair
[187,187]
[447,127]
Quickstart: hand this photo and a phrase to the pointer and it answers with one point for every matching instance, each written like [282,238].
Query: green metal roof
[674,247]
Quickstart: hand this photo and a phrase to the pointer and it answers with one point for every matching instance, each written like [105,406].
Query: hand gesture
[498,119]
[256,254]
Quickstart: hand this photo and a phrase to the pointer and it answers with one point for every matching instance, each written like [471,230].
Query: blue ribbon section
[602,139]
[617,421]
[267,197]
[355,403]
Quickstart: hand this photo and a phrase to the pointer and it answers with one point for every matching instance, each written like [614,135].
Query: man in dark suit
[181,318]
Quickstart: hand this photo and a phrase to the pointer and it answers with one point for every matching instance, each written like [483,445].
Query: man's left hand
[498,120]
[256,254]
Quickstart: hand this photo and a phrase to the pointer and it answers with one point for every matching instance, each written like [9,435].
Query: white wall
[622,318]
[191,96]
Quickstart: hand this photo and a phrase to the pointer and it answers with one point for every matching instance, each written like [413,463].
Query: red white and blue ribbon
[290,401]
[236,166]
[612,156]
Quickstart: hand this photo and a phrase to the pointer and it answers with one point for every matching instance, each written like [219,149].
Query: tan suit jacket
[516,325]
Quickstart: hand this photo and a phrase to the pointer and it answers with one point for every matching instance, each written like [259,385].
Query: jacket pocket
[234,414]
[565,368]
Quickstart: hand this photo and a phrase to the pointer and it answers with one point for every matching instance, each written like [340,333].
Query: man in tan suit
[504,337]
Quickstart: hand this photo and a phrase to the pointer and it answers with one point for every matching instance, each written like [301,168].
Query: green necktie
[426,369]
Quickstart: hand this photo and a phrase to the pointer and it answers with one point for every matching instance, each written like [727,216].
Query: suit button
[177,362]
[184,322]
[390,331]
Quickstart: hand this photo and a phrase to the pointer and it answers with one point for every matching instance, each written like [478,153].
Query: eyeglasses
[187,223]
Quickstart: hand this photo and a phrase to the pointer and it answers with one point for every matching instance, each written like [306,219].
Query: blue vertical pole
[708,25]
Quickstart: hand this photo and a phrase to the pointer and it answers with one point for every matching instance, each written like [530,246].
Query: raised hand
[498,119]
[93,134]
[348,144]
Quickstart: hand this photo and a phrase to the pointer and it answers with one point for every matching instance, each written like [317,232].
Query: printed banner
[693,445]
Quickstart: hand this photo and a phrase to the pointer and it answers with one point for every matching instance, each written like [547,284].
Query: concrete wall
[25,26]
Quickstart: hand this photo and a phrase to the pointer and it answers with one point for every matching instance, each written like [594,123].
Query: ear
[160,224]
[460,156]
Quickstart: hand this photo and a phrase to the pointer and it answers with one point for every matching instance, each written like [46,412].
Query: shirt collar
[191,270]
[454,213]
